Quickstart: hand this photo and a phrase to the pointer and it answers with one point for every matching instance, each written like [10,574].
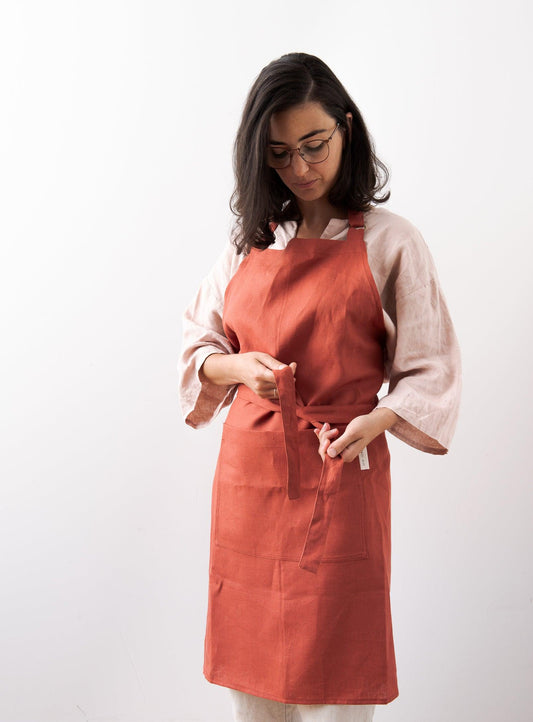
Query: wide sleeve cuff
[419,425]
[203,335]
[425,371]
[201,401]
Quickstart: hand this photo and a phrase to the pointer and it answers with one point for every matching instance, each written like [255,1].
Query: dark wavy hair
[260,197]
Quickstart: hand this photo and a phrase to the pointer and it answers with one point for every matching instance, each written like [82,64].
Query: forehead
[289,126]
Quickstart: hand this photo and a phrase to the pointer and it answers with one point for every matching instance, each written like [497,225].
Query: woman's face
[295,126]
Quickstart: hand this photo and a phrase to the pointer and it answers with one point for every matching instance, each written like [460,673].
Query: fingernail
[332,452]
[281,366]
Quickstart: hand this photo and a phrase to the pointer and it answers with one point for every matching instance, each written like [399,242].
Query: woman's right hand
[254,369]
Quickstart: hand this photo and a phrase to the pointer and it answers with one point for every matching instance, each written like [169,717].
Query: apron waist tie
[330,477]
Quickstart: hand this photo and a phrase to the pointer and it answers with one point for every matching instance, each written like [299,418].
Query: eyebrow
[307,135]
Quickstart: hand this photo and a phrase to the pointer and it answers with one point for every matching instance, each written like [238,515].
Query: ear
[349,118]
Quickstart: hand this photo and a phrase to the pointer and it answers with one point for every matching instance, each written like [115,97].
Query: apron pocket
[254,515]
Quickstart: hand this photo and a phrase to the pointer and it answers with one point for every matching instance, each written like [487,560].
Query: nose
[299,166]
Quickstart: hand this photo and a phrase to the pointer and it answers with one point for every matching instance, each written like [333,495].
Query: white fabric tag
[363,460]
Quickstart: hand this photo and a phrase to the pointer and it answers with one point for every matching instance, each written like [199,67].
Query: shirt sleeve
[423,363]
[202,335]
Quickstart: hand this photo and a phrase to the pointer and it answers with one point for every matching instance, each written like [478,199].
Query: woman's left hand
[359,433]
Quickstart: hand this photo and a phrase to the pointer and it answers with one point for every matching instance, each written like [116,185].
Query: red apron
[299,608]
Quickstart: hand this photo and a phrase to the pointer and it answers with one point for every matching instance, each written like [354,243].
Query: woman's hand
[359,433]
[254,369]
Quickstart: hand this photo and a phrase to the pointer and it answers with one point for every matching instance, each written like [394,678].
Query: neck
[317,214]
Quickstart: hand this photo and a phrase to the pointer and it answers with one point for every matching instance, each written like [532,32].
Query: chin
[313,194]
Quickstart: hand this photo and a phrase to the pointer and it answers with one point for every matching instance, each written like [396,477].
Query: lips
[306,185]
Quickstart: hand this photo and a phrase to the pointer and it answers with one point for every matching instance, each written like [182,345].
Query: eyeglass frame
[292,150]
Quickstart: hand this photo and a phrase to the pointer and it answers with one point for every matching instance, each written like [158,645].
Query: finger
[326,433]
[338,447]
[324,438]
[268,391]
[322,430]
[265,382]
[325,441]
[352,451]
[264,389]
[267,366]
[265,376]
[270,362]
[320,434]
[323,447]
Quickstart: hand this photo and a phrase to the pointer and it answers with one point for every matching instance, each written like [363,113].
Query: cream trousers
[247,708]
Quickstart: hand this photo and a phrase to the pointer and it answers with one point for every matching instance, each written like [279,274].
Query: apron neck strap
[357,226]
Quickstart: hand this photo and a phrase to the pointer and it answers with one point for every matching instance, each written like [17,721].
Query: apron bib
[299,608]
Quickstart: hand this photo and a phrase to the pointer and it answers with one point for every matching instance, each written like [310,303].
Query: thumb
[270,362]
[338,446]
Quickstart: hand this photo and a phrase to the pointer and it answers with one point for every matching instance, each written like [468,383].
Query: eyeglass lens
[315,151]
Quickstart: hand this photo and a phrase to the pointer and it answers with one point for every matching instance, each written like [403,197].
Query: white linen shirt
[422,364]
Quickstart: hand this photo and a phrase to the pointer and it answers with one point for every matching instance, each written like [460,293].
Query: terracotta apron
[299,607]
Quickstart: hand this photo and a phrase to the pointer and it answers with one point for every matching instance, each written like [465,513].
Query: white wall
[116,126]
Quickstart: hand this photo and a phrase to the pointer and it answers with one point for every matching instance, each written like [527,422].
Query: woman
[320,297]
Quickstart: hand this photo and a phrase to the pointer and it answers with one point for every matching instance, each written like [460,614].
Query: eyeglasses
[313,151]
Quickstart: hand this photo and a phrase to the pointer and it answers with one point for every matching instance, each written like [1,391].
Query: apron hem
[298,700]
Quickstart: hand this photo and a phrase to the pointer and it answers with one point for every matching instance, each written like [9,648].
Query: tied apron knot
[330,477]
